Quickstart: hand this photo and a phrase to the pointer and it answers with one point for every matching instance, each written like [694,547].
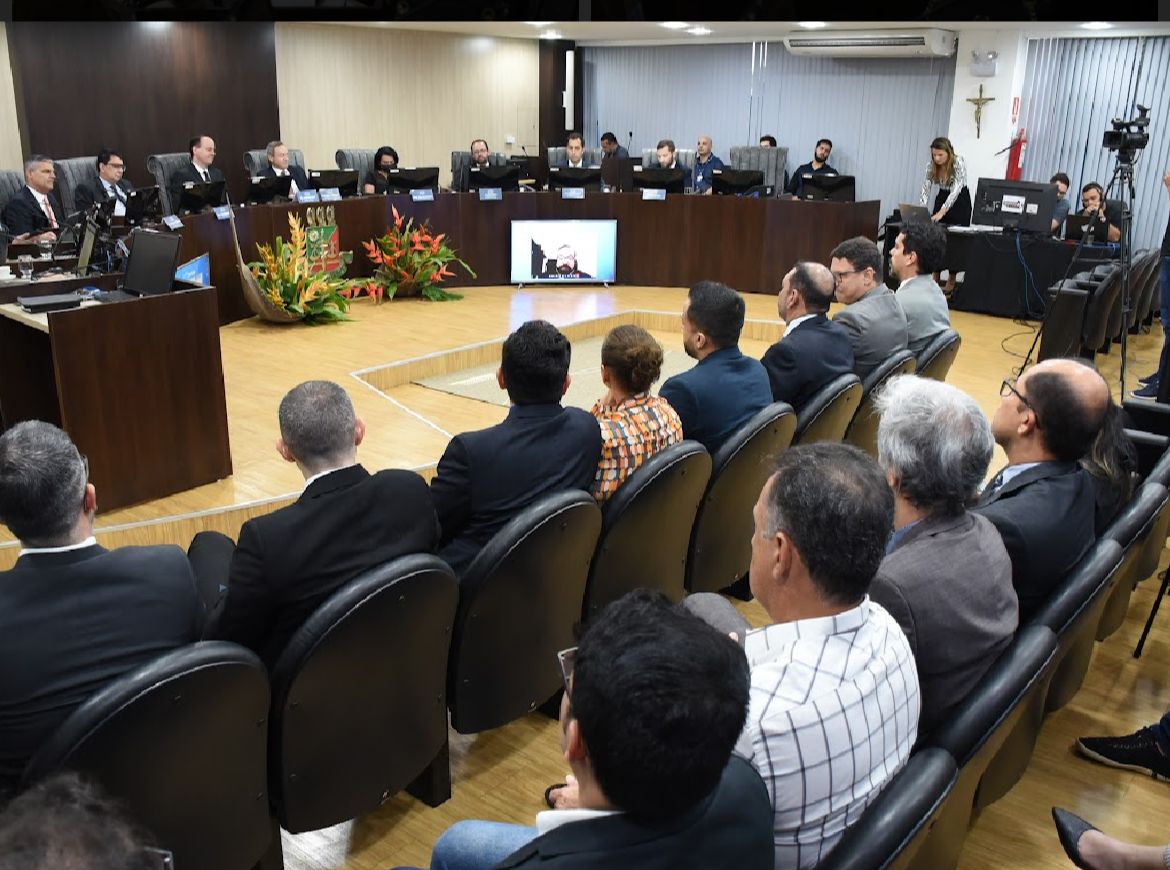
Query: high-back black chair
[359,695]
[162,167]
[935,360]
[256,160]
[71,172]
[1148,449]
[826,415]
[976,733]
[10,184]
[1147,291]
[1140,303]
[182,743]
[1097,328]
[721,541]
[519,601]
[1143,517]
[1073,613]
[888,834]
[361,159]
[646,528]
[862,431]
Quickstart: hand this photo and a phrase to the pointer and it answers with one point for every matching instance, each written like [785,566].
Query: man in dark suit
[873,317]
[611,148]
[278,166]
[724,389]
[109,185]
[814,350]
[346,521]
[654,702]
[34,214]
[485,478]
[574,151]
[480,156]
[73,615]
[1044,503]
[198,171]
[946,577]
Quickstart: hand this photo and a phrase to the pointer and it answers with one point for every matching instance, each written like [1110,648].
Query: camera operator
[1093,200]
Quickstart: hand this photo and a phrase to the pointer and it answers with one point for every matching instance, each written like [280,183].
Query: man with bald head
[705,162]
[1044,503]
[814,349]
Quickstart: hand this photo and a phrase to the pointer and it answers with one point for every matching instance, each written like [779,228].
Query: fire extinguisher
[1015,164]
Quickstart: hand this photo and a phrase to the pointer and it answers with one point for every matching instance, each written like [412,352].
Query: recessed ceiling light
[675,25]
[698,31]
[538,23]
[550,34]
[812,25]
[1096,25]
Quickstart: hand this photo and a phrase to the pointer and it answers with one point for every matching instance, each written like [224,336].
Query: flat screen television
[143,204]
[505,177]
[564,251]
[199,195]
[263,189]
[150,268]
[1015,205]
[671,180]
[567,176]
[829,188]
[736,182]
[408,178]
[345,180]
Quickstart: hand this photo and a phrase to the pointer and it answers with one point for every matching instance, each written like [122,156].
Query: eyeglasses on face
[567,659]
[1008,388]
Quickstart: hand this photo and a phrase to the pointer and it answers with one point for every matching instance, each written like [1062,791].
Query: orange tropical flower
[397,218]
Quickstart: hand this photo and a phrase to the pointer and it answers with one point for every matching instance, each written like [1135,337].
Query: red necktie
[48,212]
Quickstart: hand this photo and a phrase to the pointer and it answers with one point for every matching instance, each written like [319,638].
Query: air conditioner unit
[873,43]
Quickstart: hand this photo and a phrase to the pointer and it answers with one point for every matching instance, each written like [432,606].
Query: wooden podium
[138,385]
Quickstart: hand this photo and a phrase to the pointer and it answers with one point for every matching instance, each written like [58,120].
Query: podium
[138,385]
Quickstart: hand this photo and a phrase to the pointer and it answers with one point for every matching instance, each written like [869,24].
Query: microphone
[524,151]
[629,140]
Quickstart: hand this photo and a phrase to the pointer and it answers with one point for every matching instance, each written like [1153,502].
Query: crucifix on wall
[979,102]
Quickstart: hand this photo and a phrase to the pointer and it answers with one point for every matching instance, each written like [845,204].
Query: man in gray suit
[874,320]
[946,577]
[917,254]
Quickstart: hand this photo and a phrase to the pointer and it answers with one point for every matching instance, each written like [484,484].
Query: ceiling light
[1096,25]
[538,23]
[550,34]
[812,25]
[698,31]
[674,25]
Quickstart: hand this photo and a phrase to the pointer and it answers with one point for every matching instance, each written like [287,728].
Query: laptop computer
[1076,225]
[913,212]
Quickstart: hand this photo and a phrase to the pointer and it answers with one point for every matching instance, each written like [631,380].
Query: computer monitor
[829,188]
[345,180]
[655,177]
[264,189]
[735,182]
[618,172]
[198,195]
[504,177]
[408,178]
[143,204]
[150,268]
[568,176]
[564,251]
[1017,205]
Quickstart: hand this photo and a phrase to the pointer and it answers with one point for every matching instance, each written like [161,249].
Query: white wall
[10,156]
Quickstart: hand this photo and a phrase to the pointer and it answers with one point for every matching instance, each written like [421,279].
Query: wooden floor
[501,774]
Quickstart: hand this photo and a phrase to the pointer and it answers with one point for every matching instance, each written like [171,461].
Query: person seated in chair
[480,158]
[724,389]
[814,350]
[198,171]
[74,616]
[278,167]
[946,577]
[666,156]
[378,181]
[872,316]
[346,521]
[654,701]
[485,478]
[918,252]
[110,185]
[34,214]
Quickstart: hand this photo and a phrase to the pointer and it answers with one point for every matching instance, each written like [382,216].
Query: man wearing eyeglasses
[1043,502]
[918,252]
[873,318]
[110,184]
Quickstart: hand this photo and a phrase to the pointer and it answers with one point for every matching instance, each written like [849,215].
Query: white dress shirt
[118,196]
[91,541]
[550,820]
[795,323]
[833,715]
[314,478]
[292,187]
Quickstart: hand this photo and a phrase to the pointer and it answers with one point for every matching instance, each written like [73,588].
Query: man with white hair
[34,214]
[946,577]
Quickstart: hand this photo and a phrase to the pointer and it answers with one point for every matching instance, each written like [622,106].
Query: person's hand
[938,216]
[569,797]
[1166,179]
[708,191]
[49,236]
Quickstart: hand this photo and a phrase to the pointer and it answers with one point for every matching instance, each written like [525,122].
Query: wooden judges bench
[747,243]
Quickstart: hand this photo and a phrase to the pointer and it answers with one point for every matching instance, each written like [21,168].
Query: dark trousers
[210,555]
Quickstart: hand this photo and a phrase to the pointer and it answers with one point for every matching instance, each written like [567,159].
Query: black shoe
[1138,751]
[1070,828]
[1149,392]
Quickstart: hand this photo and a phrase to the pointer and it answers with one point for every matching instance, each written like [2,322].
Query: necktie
[47,209]
[206,177]
[992,485]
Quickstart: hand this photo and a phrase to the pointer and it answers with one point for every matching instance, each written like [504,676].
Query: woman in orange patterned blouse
[634,424]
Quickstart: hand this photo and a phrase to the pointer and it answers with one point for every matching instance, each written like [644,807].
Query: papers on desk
[975,228]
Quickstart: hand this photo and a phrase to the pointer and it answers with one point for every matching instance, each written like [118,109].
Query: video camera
[1128,137]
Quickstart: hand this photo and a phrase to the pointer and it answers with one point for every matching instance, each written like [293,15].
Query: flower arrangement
[410,260]
[298,286]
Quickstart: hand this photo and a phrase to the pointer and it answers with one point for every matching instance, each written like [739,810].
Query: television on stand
[563,251]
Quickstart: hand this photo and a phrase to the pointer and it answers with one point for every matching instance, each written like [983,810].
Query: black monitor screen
[1017,205]
[503,177]
[150,268]
[830,188]
[733,181]
[198,196]
[263,188]
[568,176]
[670,180]
[345,180]
[411,178]
[143,203]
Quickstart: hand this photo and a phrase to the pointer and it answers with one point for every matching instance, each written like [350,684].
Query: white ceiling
[644,32]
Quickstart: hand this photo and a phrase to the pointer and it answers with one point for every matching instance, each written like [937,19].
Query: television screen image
[564,251]
[1015,205]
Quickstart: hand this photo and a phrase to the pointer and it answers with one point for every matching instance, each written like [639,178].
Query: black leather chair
[70,173]
[721,541]
[1149,448]
[182,743]
[1073,613]
[256,160]
[976,733]
[10,184]
[888,834]
[162,167]
[646,528]
[1101,320]
[361,159]
[519,602]
[359,696]
[826,416]
[935,360]
[1141,289]
[1064,322]
[1143,517]
[862,431]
